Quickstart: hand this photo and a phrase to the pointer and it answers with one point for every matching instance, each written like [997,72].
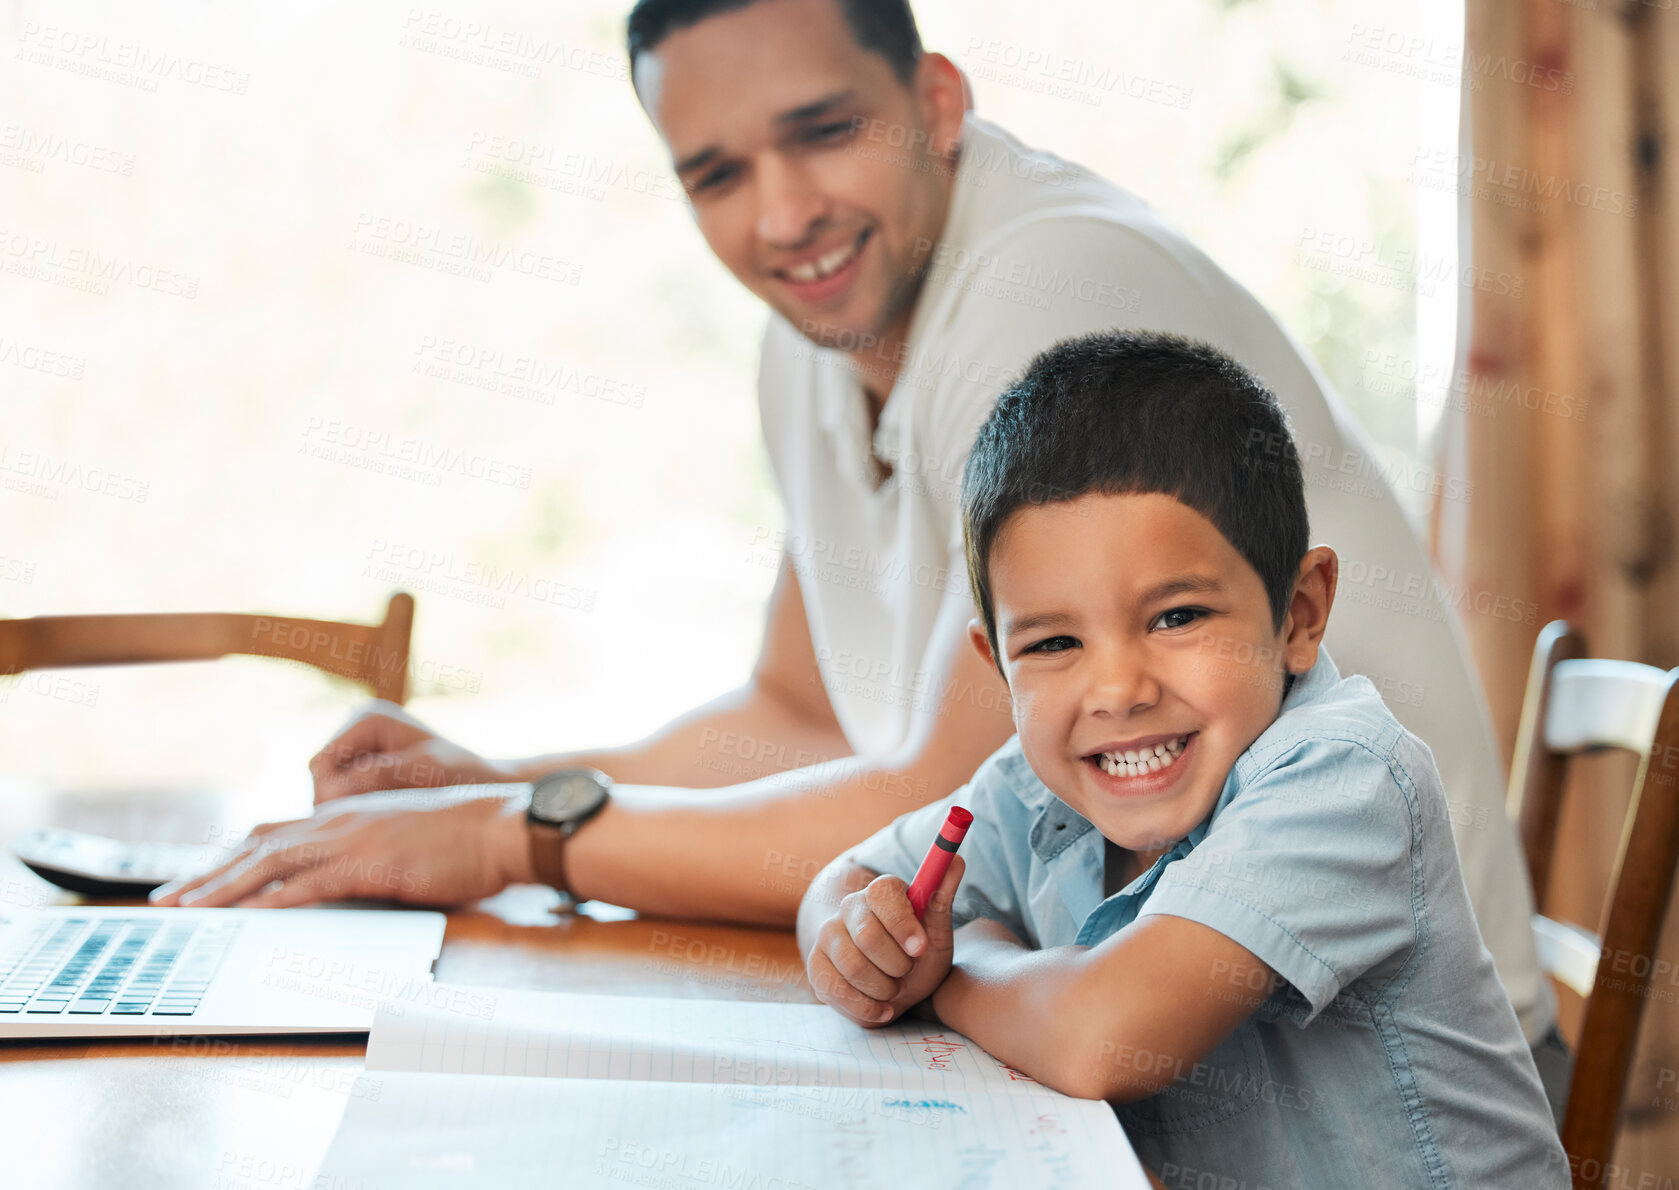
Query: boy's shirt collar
[1056,826]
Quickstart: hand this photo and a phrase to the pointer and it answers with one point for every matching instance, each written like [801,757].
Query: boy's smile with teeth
[1140,761]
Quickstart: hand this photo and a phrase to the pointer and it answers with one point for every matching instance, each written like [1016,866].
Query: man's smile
[821,275]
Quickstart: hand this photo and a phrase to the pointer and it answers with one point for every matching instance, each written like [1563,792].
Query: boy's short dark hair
[1123,412]
[884,27]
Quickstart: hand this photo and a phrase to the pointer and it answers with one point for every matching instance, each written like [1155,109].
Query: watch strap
[547,844]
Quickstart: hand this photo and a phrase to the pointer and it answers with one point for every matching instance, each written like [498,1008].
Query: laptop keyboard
[112,966]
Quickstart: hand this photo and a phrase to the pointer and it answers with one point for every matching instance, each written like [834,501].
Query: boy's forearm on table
[1118,1021]
[1023,1006]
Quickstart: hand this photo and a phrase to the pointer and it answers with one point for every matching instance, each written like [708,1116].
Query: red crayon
[933,868]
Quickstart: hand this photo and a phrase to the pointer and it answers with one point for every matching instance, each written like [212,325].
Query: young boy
[1209,879]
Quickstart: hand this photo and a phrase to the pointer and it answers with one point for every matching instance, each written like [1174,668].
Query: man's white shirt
[1036,250]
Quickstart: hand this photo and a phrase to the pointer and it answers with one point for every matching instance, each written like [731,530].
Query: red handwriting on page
[935,1050]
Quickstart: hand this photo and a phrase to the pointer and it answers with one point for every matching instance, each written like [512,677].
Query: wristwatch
[560,803]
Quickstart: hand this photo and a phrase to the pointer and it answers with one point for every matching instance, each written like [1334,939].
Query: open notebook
[488,1087]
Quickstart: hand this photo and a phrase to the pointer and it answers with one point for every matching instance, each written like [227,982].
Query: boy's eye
[1179,617]
[1054,644]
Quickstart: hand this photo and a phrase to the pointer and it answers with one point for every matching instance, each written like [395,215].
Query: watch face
[564,796]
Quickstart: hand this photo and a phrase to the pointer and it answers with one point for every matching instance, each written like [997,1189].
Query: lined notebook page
[465,1030]
[405,1131]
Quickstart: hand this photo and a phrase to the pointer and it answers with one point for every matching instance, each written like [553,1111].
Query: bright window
[304,305]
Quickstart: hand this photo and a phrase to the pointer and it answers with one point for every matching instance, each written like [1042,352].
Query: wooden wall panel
[1577,514]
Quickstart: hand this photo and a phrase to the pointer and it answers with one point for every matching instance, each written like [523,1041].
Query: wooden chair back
[1572,705]
[376,655]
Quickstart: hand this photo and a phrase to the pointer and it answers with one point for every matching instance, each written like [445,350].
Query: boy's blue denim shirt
[1390,1057]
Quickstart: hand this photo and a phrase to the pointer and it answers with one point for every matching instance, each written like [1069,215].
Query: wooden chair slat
[1537,773]
[1572,705]
[375,655]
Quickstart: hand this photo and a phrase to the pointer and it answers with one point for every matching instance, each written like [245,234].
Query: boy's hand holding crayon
[873,961]
[890,945]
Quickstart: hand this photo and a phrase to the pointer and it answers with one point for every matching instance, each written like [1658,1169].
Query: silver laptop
[67,971]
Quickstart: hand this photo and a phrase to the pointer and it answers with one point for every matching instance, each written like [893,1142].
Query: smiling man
[914,257]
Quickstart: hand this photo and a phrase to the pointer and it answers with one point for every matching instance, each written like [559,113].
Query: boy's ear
[981,642]
[1308,608]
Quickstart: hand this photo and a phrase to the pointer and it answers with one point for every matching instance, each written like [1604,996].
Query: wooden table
[230,1114]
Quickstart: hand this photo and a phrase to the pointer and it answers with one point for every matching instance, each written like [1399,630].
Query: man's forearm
[746,853]
[738,737]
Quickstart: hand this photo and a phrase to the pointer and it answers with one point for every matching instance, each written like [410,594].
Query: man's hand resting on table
[378,846]
[873,961]
[384,747]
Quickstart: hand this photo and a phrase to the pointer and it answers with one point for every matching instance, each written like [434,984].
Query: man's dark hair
[1120,413]
[884,27]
